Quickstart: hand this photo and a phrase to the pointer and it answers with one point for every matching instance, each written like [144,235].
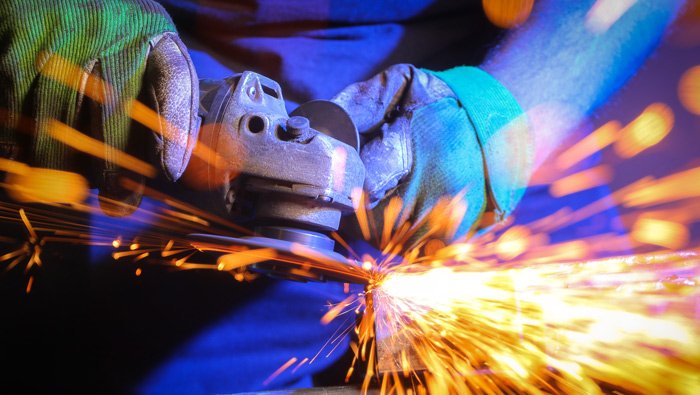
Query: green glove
[431,135]
[133,47]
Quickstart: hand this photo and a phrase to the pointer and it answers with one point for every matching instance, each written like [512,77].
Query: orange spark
[589,145]
[360,203]
[73,138]
[678,186]
[689,89]
[146,116]
[649,128]
[245,258]
[29,284]
[30,184]
[586,179]
[507,13]
[513,242]
[56,67]
[279,371]
[667,234]
[32,234]
[391,214]
[542,328]
[337,309]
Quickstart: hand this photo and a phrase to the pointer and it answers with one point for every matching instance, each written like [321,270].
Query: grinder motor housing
[289,177]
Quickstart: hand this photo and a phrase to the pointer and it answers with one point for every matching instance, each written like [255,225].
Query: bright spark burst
[626,322]
[509,311]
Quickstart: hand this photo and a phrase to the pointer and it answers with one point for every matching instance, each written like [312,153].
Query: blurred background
[648,130]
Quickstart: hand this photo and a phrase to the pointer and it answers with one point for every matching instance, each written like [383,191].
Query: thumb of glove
[171,91]
[382,109]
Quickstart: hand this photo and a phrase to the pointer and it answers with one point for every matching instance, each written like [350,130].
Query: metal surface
[394,342]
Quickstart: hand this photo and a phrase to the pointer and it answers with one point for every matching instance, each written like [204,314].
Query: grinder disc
[295,261]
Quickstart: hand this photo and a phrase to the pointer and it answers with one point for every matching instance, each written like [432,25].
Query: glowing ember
[627,322]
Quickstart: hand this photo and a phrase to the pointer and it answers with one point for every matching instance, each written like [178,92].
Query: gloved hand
[132,46]
[429,135]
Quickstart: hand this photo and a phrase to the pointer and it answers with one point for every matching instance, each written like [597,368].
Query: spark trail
[628,323]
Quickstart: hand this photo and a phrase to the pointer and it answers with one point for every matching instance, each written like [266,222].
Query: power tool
[289,177]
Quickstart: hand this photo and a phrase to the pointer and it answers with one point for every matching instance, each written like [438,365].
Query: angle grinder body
[288,177]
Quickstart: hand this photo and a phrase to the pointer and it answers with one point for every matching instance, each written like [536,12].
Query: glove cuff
[502,130]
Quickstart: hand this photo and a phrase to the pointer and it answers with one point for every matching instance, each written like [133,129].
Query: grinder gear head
[288,177]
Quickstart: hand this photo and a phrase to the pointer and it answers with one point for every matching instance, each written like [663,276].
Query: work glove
[82,63]
[427,135]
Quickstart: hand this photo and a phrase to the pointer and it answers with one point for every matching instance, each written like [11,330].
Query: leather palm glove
[429,135]
[82,62]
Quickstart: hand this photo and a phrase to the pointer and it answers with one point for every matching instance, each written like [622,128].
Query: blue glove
[430,135]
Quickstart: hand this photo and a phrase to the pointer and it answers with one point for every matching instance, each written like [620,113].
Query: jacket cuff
[502,130]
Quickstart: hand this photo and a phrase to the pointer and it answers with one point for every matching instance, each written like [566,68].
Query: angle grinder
[289,177]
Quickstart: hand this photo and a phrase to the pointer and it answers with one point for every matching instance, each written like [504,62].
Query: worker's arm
[423,136]
[569,57]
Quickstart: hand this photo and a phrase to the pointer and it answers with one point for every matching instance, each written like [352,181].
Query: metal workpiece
[283,167]
[395,341]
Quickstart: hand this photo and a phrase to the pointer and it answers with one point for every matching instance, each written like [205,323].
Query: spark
[98,149]
[586,179]
[510,311]
[649,128]
[279,371]
[548,328]
[245,258]
[507,14]
[667,234]
[589,145]
[689,90]
[29,284]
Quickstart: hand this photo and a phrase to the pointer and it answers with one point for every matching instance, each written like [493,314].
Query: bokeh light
[689,90]
[507,13]
[648,129]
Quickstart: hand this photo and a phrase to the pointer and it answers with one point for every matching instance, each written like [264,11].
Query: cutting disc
[294,261]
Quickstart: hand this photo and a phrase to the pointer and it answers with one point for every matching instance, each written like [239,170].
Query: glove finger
[387,159]
[171,87]
[106,123]
[370,103]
